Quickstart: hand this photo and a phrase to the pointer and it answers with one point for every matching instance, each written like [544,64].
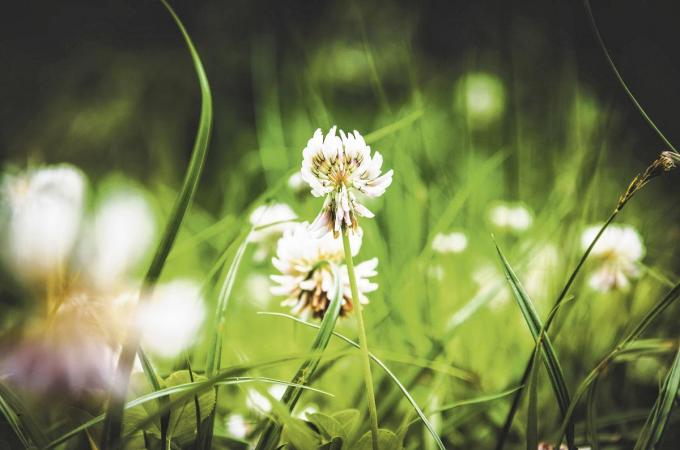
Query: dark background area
[71,53]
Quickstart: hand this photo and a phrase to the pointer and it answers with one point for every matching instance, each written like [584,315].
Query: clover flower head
[336,167]
[617,254]
[275,218]
[308,266]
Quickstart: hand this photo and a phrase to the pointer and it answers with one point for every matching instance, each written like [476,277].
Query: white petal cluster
[513,217]
[307,278]
[336,167]
[44,208]
[617,254]
[454,242]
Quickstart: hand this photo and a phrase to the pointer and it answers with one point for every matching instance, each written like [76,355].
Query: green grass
[455,341]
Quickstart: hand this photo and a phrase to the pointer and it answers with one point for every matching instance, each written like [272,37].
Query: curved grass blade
[639,107]
[654,427]
[272,432]
[475,401]
[114,416]
[20,420]
[384,367]
[537,330]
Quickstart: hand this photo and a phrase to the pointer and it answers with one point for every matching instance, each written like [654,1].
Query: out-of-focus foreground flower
[617,254]
[80,268]
[337,166]
[306,279]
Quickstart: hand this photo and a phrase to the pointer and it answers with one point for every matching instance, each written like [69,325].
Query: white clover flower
[454,242]
[307,275]
[515,217]
[45,207]
[118,236]
[337,166]
[278,214]
[617,253]
[261,403]
[170,320]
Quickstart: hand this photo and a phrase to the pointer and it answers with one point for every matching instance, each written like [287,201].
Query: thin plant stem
[368,378]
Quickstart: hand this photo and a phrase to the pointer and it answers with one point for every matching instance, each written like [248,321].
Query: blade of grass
[591,419]
[610,61]
[532,410]
[383,366]
[114,415]
[272,432]
[560,298]
[20,420]
[635,333]
[537,330]
[475,401]
[654,427]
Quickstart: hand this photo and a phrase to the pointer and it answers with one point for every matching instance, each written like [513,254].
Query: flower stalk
[368,378]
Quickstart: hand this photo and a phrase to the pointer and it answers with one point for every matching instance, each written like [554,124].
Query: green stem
[368,378]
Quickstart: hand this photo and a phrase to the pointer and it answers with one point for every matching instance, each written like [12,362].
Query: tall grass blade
[532,411]
[114,415]
[384,367]
[654,427]
[537,330]
[272,432]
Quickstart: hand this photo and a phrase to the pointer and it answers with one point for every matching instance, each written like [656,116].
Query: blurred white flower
[515,217]
[117,238]
[617,253]
[45,207]
[305,412]
[278,214]
[436,271]
[170,320]
[257,289]
[237,426]
[261,403]
[306,265]
[336,166]
[542,270]
[454,242]
[296,183]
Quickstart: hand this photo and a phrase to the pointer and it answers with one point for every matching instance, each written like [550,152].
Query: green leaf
[327,425]
[654,427]
[272,432]
[299,435]
[182,424]
[537,330]
[114,416]
[348,419]
[387,440]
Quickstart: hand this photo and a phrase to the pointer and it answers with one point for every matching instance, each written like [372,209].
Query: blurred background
[473,104]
